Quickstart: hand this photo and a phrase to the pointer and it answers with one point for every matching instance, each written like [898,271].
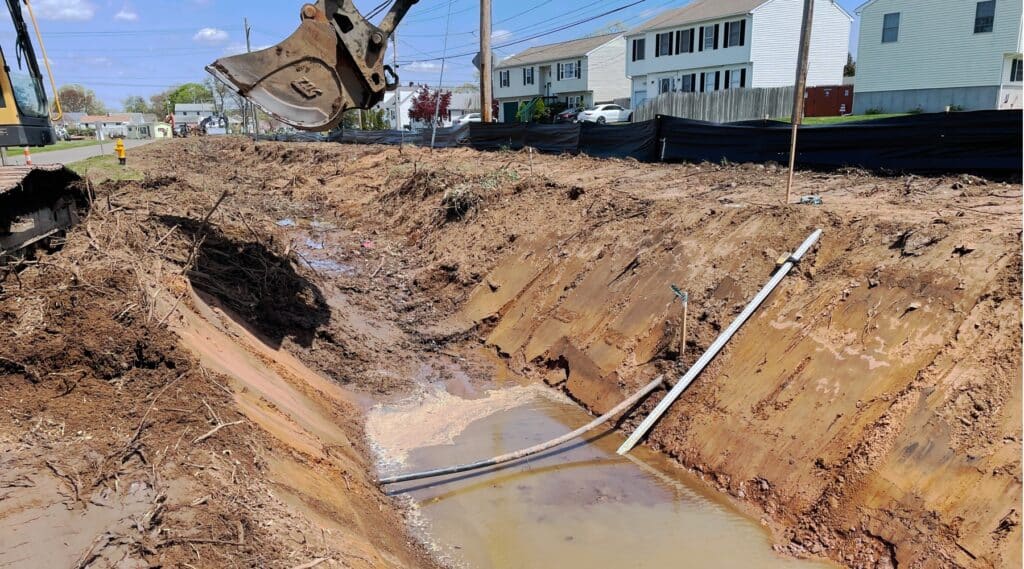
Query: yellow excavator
[333,62]
[36,202]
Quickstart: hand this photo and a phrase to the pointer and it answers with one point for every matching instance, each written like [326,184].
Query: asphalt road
[14,155]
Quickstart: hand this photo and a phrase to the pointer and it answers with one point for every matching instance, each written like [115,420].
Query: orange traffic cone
[28,157]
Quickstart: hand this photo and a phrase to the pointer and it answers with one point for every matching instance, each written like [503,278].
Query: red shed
[828,101]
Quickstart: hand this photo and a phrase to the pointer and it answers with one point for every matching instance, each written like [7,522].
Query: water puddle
[577,506]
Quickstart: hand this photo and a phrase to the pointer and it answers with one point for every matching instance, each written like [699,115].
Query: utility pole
[485,61]
[799,88]
[398,89]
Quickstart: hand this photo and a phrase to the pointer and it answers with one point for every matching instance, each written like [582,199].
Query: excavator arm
[333,62]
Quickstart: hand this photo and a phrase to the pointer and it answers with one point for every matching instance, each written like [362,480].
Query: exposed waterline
[578,506]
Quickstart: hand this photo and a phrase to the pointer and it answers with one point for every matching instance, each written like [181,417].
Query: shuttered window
[891,27]
[663,44]
[734,33]
[689,83]
[639,49]
[503,79]
[684,41]
[527,76]
[579,67]
[984,16]
[709,37]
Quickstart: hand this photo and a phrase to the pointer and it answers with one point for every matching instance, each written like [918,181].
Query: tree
[159,105]
[850,69]
[539,111]
[425,101]
[78,99]
[135,104]
[190,93]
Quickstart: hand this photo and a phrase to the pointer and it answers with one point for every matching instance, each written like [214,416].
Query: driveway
[14,155]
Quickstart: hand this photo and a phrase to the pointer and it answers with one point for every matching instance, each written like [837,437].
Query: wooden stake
[799,88]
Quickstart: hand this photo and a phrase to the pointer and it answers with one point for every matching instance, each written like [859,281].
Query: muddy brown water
[581,505]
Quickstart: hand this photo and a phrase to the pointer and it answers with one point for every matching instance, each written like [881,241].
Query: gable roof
[698,11]
[554,51]
[190,107]
[111,118]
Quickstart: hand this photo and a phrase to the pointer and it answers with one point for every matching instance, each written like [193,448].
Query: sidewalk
[15,157]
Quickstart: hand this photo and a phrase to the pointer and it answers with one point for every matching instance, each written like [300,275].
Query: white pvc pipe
[718,344]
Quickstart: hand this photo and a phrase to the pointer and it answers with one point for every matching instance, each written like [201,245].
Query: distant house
[404,95]
[192,113]
[939,53]
[72,119]
[711,45]
[581,72]
[461,105]
[109,125]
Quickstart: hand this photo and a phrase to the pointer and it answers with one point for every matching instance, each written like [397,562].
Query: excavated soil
[184,381]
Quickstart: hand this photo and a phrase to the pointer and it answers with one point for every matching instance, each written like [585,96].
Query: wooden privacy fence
[728,105]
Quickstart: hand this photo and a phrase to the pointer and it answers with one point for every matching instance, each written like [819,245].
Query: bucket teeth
[296,81]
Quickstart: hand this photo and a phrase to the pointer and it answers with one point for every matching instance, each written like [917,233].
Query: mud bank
[870,411]
[872,407]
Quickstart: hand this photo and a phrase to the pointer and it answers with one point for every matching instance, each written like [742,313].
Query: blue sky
[140,47]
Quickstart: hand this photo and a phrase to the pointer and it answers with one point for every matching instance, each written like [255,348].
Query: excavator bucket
[36,202]
[332,63]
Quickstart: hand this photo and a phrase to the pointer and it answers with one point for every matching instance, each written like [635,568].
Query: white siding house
[580,72]
[709,45]
[930,54]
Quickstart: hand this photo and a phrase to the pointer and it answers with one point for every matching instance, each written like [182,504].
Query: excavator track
[36,203]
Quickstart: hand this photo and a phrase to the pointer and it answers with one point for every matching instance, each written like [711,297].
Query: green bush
[956,108]
[874,111]
[916,110]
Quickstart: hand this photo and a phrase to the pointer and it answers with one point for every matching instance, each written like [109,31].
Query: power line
[540,34]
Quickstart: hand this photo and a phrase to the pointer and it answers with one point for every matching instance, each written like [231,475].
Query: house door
[509,110]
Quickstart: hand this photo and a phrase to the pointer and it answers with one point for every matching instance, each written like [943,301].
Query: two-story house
[710,45]
[583,72]
[933,54]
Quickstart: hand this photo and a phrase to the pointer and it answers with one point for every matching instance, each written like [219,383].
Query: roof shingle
[555,51]
[698,11]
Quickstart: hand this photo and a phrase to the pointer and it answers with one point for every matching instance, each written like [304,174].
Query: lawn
[66,144]
[846,118]
[105,167]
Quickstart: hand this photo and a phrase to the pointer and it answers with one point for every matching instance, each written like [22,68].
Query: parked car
[468,118]
[602,114]
[568,115]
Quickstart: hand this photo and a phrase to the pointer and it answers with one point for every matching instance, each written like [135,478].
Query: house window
[684,41]
[710,37]
[891,27]
[639,49]
[574,101]
[569,70]
[734,32]
[527,76]
[984,16]
[735,80]
[665,85]
[1016,70]
[663,44]
[688,86]
[503,79]
[710,82]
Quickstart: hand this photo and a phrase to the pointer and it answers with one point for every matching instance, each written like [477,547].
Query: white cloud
[501,35]
[210,36]
[126,15]
[76,10]
[422,66]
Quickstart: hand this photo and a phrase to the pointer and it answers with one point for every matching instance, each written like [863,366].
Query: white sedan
[466,119]
[602,114]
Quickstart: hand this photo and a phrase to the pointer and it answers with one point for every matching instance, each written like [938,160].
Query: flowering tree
[425,101]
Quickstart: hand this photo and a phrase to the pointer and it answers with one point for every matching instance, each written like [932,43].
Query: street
[14,156]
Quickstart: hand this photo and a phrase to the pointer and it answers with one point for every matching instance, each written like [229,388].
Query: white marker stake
[718,344]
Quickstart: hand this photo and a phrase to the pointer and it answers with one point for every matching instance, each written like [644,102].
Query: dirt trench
[870,411]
